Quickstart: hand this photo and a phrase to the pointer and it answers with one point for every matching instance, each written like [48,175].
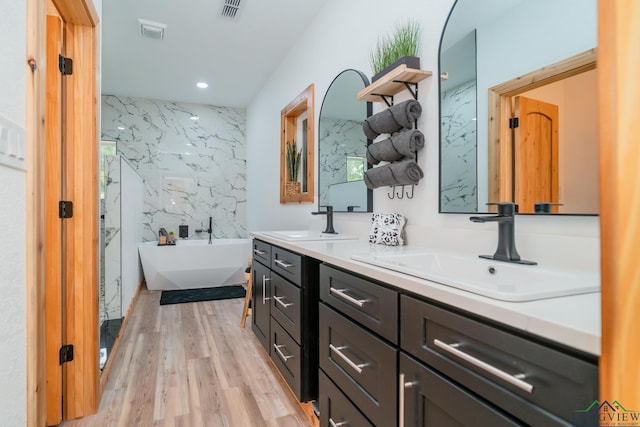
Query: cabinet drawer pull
[335,424]
[403,385]
[259,252]
[515,380]
[283,264]
[265,279]
[356,367]
[341,293]
[284,357]
[283,304]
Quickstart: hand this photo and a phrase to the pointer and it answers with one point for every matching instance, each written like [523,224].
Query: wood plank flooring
[190,365]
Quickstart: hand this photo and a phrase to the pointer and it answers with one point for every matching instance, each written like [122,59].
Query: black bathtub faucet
[506,250]
[210,229]
[329,213]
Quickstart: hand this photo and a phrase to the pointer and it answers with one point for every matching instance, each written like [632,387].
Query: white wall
[13,351]
[340,38]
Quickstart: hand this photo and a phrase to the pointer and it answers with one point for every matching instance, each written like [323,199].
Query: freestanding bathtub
[192,264]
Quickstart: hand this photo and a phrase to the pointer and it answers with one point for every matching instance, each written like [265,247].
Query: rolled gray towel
[402,144]
[392,119]
[406,172]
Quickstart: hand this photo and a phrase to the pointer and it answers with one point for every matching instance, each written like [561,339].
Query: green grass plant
[404,41]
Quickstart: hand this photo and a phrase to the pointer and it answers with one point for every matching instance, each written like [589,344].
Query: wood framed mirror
[297,146]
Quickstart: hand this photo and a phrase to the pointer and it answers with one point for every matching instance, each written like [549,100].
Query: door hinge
[65,209]
[514,122]
[65,65]
[66,353]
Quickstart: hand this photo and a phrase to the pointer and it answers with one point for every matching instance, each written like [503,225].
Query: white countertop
[573,321]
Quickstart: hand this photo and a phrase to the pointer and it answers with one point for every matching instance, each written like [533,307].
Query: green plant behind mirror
[404,41]
[293,160]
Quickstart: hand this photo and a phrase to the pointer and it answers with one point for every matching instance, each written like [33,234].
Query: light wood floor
[191,365]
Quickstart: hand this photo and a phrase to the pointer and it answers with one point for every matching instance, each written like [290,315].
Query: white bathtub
[194,264]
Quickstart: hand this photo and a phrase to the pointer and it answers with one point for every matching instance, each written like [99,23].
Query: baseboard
[104,376]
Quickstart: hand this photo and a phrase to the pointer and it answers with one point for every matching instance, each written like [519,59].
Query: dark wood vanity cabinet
[285,314]
[401,359]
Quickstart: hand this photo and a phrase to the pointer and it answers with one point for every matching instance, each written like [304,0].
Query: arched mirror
[518,106]
[343,145]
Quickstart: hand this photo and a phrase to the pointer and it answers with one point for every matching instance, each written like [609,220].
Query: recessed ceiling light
[194,117]
[202,85]
[121,128]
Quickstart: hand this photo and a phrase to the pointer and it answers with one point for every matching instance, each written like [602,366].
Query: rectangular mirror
[297,148]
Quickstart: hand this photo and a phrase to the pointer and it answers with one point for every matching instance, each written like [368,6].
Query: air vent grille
[231,9]
[152,30]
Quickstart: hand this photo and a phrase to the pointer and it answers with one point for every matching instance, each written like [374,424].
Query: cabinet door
[260,304]
[428,399]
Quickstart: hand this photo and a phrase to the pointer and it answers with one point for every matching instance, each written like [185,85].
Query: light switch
[12,144]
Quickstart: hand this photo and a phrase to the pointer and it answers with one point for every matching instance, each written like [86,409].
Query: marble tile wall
[338,139]
[110,289]
[458,158]
[192,169]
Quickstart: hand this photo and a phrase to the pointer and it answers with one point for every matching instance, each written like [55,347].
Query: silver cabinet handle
[344,296]
[283,264]
[259,252]
[515,380]
[265,279]
[340,424]
[356,367]
[284,357]
[401,388]
[283,304]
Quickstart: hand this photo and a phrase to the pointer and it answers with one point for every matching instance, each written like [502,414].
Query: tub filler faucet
[210,229]
[506,250]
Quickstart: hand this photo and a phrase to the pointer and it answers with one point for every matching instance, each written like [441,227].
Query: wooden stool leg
[246,311]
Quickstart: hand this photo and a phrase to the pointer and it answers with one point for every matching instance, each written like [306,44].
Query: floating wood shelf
[392,83]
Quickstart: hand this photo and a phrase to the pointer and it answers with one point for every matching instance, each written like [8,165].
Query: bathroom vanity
[399,350]
[285,314]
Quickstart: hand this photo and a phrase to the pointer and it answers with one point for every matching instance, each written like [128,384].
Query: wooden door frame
[500,109]
[618,92]
[81,394]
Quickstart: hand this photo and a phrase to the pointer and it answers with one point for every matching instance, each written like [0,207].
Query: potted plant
[292,157]
[401,47]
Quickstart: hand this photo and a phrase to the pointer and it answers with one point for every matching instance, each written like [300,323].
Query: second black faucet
[329,213]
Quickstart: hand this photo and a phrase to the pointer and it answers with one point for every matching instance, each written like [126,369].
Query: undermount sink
[493,279]
[308,235]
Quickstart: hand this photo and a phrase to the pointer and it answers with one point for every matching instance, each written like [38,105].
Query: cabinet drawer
[287,264]
[336,408]
[363,366]
[429,399]
[262,252]
[368,303]
[286,306]
[286,355]
[510,371]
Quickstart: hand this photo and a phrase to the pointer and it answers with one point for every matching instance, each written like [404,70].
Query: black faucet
[329,213]
[506,234]
[210,229]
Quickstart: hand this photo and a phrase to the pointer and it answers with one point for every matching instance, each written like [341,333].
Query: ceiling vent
[151,30]
[231,9]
